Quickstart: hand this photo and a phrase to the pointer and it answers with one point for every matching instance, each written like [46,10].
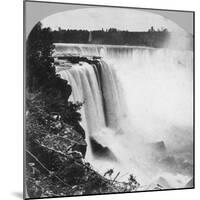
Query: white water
[135,97]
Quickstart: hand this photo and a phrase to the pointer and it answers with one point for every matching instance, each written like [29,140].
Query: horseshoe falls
[137,110]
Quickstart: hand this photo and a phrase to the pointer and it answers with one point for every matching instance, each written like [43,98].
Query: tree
[39,63]
[42,79]
[151,29]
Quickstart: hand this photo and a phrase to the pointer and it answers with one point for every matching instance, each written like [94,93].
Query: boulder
[190,183]
[101,151]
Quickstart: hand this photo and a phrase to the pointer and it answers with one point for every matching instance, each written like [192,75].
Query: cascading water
[134,98]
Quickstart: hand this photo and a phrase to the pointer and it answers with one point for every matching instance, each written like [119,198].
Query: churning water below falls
[137,111]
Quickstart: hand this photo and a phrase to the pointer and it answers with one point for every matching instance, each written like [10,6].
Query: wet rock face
[159,146]
[190,183]
[76,59]
[171,163]
[101,151]
[164,183]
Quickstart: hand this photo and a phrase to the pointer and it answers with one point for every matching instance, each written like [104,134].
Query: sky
[96,18]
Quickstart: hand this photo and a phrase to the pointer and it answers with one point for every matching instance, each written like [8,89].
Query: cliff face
[55,141]
[55,164]
[55,145]
[56,148]
[52,149]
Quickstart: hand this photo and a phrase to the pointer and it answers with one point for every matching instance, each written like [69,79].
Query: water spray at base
[137,110]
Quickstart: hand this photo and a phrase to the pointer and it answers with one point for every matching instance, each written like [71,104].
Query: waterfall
[135,96]
[98,88]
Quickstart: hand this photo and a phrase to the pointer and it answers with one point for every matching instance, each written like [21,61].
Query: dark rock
[169,161]
[101,151]
[159,146]
[76,59]
[71,172]
[96,57]
[163,182]
[190,183]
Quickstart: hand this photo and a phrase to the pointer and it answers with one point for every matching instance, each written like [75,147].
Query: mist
[148,94]
[158,87]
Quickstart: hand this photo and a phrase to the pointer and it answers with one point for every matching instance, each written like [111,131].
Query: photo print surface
[108,100]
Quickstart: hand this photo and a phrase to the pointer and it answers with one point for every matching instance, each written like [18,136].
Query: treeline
[152,37]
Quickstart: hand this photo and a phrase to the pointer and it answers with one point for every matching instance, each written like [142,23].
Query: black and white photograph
[108,100]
